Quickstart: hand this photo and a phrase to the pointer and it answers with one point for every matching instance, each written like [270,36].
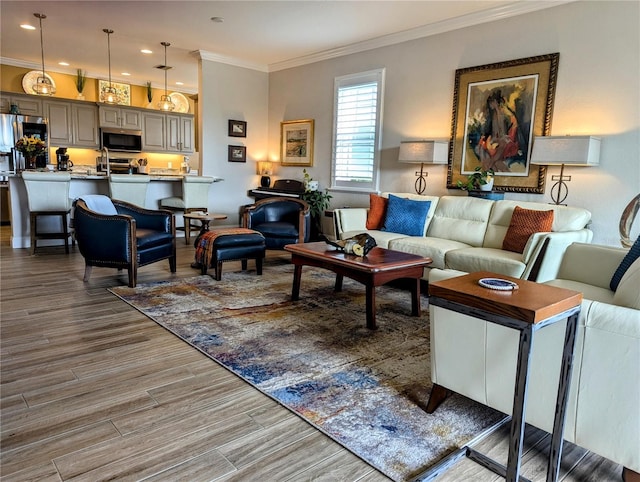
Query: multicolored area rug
[363,388]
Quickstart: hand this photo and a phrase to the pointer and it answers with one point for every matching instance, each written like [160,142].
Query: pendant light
[43,85]
[165,104]
[109,95]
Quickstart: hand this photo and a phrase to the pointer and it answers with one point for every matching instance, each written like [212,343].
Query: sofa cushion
[434,248]
[631,256]
[498,261]
[377,211]
[524,223]
[461,218]
[406,216]
[418,197]
[628,292]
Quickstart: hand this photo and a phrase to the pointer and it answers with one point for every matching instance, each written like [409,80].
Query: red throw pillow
[377,211]
[525,222]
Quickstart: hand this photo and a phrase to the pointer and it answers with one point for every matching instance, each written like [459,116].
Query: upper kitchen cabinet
[59,120]
[85,126]
[120,117]
[153,131]
[180,133]
[27,104]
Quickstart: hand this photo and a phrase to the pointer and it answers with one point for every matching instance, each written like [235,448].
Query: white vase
[80,96]
[488,186]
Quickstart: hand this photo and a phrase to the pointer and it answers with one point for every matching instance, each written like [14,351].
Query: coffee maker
[63,159]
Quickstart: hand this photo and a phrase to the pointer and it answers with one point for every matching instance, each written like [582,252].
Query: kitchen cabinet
[180,133]
[85,126]
[27,104]
[59,120]
[153,131]
[120,117]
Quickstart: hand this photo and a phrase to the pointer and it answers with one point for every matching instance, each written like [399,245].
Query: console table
[527,309]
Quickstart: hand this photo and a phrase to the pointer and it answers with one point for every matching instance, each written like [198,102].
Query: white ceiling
[263,35]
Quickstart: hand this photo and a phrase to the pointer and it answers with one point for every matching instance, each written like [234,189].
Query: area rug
[366,389]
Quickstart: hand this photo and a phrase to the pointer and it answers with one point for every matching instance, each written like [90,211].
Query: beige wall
[597,93]
[228,92]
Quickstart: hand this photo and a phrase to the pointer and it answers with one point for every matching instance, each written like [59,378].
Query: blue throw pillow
[631,256]
[406,216]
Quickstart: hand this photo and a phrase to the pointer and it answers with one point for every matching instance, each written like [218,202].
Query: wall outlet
[169,165]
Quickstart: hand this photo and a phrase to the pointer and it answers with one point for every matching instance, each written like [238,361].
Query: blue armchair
[124,236]
[280,220]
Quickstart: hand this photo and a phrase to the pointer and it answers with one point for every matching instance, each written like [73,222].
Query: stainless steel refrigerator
[12,128]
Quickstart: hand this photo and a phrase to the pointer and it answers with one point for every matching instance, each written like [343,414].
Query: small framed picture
[237,128]
[123,92]
[296,142]
[237,154]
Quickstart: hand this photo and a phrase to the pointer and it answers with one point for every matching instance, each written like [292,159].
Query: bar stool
[131,188]
[48,195]
[195,197]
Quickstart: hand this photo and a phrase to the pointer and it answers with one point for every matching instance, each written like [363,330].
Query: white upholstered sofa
[477,359]
[466,234]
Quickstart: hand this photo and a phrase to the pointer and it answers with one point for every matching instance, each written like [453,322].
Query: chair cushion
[524,223]
[172,202]
[277,229]
[377,211]
[406,216]
[627,261]
[147,238]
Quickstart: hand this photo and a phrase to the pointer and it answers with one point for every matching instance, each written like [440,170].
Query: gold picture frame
[123,92]
[497,110]
[296,142]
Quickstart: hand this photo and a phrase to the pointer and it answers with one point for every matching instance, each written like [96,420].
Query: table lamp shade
[427,152]
[568,150]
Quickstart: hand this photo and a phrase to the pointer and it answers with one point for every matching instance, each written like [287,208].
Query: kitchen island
[160,187]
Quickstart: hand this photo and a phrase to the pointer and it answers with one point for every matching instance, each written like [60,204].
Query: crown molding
[223,59]
[469,20]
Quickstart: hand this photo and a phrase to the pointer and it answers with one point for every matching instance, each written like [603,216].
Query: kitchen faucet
[106,151]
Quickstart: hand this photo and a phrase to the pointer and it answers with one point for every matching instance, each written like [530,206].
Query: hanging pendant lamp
[165,104]
[109,95]
[43,85]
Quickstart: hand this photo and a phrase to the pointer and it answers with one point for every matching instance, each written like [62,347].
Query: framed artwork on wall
[497,111]
[237,128]
[123,92]
[237,154]
[296,143]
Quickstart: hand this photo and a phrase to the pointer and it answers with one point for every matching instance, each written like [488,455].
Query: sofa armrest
[350,219]
[544,252]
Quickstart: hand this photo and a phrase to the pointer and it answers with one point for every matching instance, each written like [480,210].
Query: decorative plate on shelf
[498,284]
[31,78]
[181,102]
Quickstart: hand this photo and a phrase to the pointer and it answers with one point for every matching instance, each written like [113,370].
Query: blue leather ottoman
[215,247]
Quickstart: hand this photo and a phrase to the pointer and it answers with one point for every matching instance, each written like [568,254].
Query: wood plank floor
[93,390]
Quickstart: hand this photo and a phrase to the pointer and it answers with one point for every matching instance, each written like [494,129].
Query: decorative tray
[498,284]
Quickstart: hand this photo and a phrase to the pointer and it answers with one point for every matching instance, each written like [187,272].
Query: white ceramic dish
[498,284]
[31,78]
[181,102]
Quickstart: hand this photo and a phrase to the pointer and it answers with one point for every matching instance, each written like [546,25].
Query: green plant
[317,200]
[478,178]
[149,92]
[81,79]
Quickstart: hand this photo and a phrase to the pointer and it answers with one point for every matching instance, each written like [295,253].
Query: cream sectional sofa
[465,233]
[477,359]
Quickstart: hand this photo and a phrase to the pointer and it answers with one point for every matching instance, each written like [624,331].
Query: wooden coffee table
[378,267]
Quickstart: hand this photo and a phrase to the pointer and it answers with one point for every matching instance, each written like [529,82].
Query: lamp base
[265,181]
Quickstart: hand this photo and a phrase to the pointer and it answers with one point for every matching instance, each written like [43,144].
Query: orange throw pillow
[525,222]
[377,211]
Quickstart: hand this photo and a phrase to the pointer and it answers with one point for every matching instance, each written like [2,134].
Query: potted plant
[479,180]
[81,79]
[317,200]
[149,92]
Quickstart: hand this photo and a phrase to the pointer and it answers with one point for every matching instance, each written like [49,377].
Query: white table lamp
[423,152]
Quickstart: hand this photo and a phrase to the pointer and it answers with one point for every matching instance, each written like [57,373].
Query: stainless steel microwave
[121,140]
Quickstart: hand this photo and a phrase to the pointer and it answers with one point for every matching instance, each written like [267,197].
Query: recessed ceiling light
[66,64]
[125,73]
[26,26]
[146,51]
[217,19]
[179,83]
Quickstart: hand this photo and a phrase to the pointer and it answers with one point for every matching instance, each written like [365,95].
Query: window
[357,127]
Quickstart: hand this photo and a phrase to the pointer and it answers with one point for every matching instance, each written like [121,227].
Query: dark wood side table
[204,218]
[529,308]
